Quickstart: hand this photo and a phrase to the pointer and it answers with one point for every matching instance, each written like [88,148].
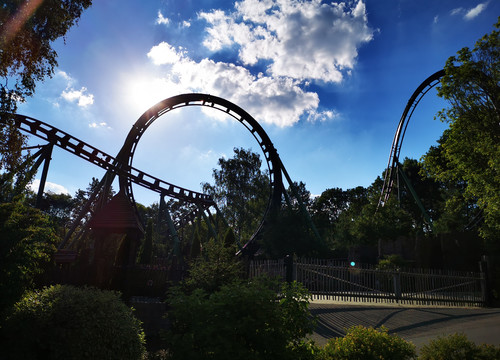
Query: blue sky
[328,82]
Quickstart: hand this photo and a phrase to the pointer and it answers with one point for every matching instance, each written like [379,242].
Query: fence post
[288,268]
[397,284]
[483,268]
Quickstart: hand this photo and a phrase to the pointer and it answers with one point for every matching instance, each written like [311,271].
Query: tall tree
[27,243]
[471,145]
[241,191]
[27,31]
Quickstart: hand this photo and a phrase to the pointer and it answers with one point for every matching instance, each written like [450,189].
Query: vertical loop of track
[126,154]
[397,142]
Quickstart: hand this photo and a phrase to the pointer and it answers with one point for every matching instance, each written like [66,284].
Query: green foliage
[229,238]
[65,322]
[58,207]
[289,233]
[362,343]
[457,347]
[391,262]
[27,243]
[242,320]
[216,266]
[27,30]
[241,191]
[470,148]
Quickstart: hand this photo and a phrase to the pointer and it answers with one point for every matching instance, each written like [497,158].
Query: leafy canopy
[27,31]
[470,148]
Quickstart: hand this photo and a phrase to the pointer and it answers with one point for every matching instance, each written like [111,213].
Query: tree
[82,197]
[27,31]
[241,191]
[455,212]
[216,267]
[471,145]
[27,243]
[58,207]
[363,224]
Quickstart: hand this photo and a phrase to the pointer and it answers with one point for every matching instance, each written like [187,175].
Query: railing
[339,281]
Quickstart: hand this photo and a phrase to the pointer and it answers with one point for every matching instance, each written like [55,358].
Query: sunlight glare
[143,91]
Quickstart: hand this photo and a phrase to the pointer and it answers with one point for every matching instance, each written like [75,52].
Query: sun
[141,91]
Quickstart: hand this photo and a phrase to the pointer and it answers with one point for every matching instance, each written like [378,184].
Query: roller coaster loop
[121,165]
[397,142]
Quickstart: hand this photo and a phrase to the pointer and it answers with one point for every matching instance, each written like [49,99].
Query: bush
[27,243]
[66,322]
[457,347]
[216,266]
[240,321]
[362,343]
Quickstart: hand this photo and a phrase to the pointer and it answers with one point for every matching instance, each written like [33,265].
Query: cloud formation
[469,14]
[80,97]
[161,20]
[301,41]
[280,101]
[49,187]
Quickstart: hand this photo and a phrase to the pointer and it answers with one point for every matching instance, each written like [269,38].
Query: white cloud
[161,20]
[164,53]
[49,187]
[457,11]
[186,24]
[274,100]
[469,14]
[95,125]
[80,97]
[64,75]
[302,40]
[436,19]
[472,13]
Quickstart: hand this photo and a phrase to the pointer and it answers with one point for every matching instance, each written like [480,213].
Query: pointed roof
[118,215]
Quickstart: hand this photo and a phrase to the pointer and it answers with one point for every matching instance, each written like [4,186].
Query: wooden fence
[339,281]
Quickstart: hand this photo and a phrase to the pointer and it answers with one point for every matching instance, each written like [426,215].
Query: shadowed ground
[416,324]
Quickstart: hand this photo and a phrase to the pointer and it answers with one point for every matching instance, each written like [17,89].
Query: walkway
[416,324]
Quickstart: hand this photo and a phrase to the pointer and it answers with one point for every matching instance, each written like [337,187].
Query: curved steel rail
[90,153]
[397,142]
[126,154]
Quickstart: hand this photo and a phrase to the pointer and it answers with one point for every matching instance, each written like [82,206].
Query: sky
[328,81]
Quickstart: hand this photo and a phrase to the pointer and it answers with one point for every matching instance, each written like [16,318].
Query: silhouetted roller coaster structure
[121,165]
[394,168]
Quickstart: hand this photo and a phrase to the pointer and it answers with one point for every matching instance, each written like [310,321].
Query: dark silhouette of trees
[27,31]
[469,151]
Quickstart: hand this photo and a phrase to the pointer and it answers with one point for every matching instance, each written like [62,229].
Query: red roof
[118,216]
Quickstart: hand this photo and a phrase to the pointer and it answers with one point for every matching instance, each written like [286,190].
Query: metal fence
[339,281]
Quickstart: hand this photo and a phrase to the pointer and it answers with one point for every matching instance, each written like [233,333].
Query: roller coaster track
[121,165]
[97,157]
[274,164]
[397,142]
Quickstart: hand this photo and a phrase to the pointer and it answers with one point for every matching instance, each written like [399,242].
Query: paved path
[416,324]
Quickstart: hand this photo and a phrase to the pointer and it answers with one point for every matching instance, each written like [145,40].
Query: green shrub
[362,343]
[216,266]
[457,347]
[240,321]
[27,243]
[66,322]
